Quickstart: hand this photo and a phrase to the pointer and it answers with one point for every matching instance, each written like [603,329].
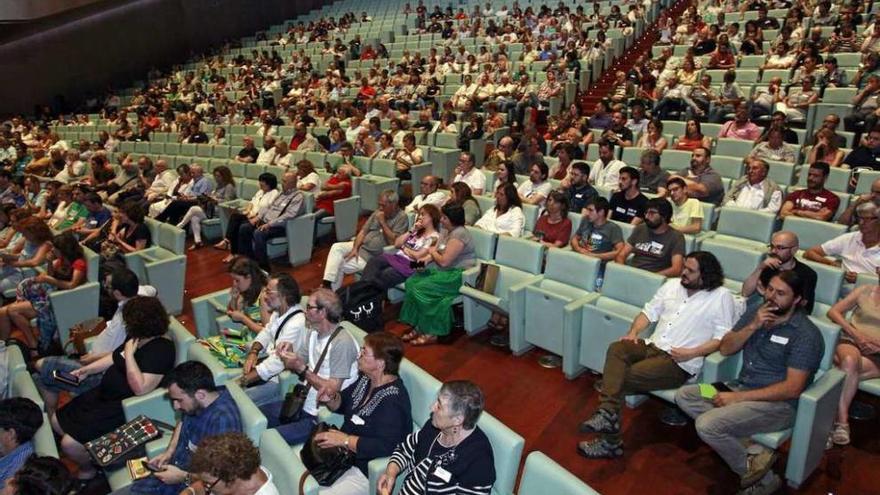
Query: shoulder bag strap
[284,322]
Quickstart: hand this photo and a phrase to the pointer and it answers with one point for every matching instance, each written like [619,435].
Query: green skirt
[428,302]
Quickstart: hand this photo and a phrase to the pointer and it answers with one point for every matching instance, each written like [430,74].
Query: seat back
[829,282]
[422,388]
[812,232]
[252,420]
[521,254]
[249,188]
[728,166]
[172,238]
[630,285]
[749,224]
[383,167]
[507,447]
[571,268]
[276,455]
[733,147]
[541,475]
[484,242]
[738,262]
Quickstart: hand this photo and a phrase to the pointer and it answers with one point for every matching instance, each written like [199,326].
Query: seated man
[774,148]
[605,170]
[230,464]
[858,251]
[781,256]
[687,212]
[782,350]
[98,215]
[815,201]
[20,419]
[338,370]
[653,178]
[628,204]
[206,410]
[692,314]
[740,127]
[253,235]
[703,181]
[866,154]
[618,133]
[656,246]
[249,153]
[596,236]
[755,191]
[848,216]
[429,193]
[286,325]
[580,192]
[466,172]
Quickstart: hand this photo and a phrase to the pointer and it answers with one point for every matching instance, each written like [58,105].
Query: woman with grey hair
[450,452]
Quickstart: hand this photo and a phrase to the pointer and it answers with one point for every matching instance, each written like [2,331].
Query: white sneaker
[840,434]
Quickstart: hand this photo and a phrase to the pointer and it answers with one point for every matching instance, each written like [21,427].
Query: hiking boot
[602,421]
[766,486]
[757,466]
[599,448]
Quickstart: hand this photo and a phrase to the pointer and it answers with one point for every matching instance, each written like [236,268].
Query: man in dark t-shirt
[655,245]
[781,256]
[580,193]
[628,204]
[249,153]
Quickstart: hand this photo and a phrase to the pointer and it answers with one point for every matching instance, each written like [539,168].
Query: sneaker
[840,434]
[757,466]
[602,421]
[599,448]
[500,340]
[767,486]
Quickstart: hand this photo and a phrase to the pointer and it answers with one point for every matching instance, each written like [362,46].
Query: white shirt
[436,198]
[162,183]
[606,175]
[852,252]
[266,156]
[312,178]
[294,331]
[689,321]
[528,189]
[268,487]
[511,222]
[114,333]
[475,179]
[752,197]
[261,201]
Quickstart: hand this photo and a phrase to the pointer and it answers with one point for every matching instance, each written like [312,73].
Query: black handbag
[326,465]
[295,400]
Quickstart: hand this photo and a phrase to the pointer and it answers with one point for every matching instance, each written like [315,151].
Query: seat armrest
[720,368]
[154,405]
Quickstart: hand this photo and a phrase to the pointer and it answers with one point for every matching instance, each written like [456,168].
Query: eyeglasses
[313,306]
[867,219]
[210,486]
[777,247]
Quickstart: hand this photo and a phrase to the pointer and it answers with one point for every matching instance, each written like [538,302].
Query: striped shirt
[467,468]
[13,461]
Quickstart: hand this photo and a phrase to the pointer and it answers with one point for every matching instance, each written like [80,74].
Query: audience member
[754,191]
[655,245]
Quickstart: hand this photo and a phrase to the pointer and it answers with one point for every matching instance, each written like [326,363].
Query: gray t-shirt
[650,183]
[467,257]
[601,238]
[709,178]
[374,239]
[653,252]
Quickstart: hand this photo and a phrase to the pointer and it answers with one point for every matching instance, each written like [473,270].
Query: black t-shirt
[578,198]
[863,157]
[624,210]
[139,232]
[198,138]
[251,153]
[808,275]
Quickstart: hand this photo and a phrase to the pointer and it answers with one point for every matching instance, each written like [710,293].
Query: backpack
[362,305]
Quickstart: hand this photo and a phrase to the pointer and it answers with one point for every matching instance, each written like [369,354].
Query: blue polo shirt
[769,352]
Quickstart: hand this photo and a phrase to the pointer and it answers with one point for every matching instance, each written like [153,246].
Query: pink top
[748,132]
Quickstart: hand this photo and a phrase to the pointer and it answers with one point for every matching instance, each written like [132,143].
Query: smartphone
[151,468]
[721,387]
[65,377]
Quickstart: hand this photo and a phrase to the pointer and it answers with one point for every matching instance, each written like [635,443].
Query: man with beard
[655,245]
[815,201]
[207,410]
[692,314]
[781,350]
[703,181]
[783,247]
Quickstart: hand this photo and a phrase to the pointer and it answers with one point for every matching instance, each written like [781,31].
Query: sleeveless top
[866,318]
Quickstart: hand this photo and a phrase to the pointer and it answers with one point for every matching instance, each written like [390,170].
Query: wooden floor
[545,408]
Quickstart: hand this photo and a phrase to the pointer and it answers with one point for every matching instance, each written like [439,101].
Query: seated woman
[376,408]
[128,232]
[504,175]
[66,270]
[390,269]
[135,368]
[474,130]
[653,138]
[553,228]
[826,149]
[306,177]
[386,149]
[450,440]
[858,351]
[461,196]
[261,201]
[507,217]
[30,252]
[427,306]
[41,474]
[246,294]
[224,190]
[407,157]
[693,137]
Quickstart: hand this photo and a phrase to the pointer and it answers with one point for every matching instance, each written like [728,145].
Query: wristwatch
[302,374]
[346,441]
[188,479]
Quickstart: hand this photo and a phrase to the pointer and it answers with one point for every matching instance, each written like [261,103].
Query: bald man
[848,217]
[249,153]
[503,153]
[428,194]
[781,257]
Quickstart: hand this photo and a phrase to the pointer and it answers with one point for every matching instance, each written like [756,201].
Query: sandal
[222,245]
[424,340]
[409,336]
[196,245]
[228,259]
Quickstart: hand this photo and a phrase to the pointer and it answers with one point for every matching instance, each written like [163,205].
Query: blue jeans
[293,433]
[252,242]
[44,379]
[265,393]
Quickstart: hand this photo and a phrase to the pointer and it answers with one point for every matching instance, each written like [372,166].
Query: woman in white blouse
[507,217]
[258,204]
[307,178]
[282,155]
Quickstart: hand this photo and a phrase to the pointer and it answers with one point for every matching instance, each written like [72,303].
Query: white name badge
[443,474]
[357,420]
[779,339]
